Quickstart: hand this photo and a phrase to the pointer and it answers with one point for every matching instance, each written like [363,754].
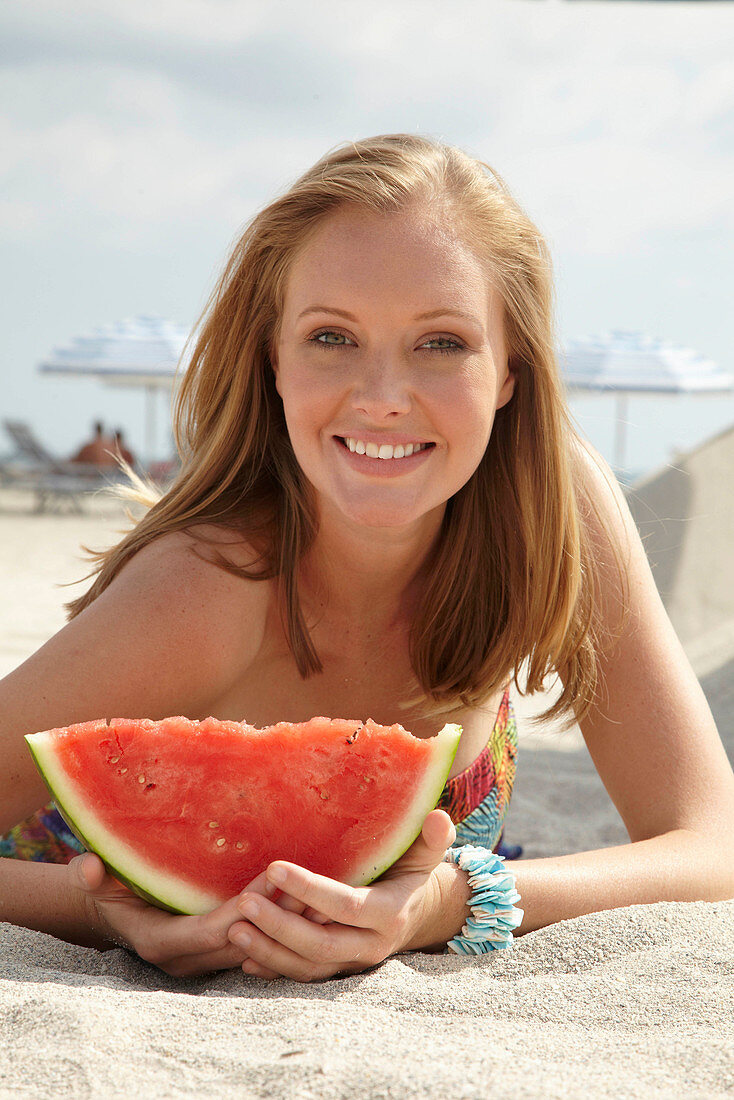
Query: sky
[138,139]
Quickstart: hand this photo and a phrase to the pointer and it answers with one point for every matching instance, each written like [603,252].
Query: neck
[373,576]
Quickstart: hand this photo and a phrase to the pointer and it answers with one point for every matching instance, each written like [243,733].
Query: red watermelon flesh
[188,813]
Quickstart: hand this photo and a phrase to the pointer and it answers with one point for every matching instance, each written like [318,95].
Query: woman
[383,510]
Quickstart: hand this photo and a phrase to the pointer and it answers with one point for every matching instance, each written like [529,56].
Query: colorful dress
[476,800]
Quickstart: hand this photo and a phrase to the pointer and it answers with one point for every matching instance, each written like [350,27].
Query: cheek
[473,402]
[308,407]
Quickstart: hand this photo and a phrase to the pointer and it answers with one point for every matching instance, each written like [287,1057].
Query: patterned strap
[478,798]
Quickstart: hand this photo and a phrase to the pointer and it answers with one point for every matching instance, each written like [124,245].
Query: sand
[635,1002]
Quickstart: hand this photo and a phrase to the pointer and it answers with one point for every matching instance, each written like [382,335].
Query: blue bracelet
[492,902]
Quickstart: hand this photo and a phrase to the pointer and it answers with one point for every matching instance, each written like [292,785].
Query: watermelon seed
[141,779]
[239,844]
[114,759]
[150,787]
[213,824]
[122,771]
[353,736]
[221,841]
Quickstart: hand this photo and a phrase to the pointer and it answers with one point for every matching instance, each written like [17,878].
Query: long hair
[513,578]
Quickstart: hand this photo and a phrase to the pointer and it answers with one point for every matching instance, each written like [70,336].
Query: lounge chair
[58,485]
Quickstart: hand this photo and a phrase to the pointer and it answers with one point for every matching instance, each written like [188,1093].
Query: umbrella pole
[149,424]
[620,435]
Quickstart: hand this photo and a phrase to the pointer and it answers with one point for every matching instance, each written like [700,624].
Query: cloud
[612,122]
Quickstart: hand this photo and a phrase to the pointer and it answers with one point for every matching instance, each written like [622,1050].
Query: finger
[89,869]
[336,901]
[90,874]
[317,918]
[201,944]
[255,970]
[263,885]
[439,831]
[297,948]
[180,945]
[429,847]
[314,942]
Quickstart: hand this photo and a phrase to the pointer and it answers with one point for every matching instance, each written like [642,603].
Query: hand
[182,946]
[319,927]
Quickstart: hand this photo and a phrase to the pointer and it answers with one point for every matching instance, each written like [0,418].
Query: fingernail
[277,875]
[249,907]
[242,939]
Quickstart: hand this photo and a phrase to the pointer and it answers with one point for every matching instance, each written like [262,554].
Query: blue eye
[331,338]
[454,345]
[316,339]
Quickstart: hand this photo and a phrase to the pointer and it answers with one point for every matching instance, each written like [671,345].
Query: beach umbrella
[141,352]
[629,363]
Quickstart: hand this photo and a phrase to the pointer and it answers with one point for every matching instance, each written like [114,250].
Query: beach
[634,1002]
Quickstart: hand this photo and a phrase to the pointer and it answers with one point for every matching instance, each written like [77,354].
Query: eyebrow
[428,316]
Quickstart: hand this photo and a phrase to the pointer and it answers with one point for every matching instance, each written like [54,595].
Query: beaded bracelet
[492,902]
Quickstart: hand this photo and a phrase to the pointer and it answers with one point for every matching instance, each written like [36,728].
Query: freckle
[221,841]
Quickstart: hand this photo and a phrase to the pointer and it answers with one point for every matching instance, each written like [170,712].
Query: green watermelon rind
[170,893]
[176,896]
[424,800]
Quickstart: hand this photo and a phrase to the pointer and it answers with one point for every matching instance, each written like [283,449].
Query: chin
[379,517]
[382,514]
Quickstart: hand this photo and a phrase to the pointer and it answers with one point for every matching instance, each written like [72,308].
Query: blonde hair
[513,576]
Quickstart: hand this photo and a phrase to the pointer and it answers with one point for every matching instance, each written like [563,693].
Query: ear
[507,386]
[274,366]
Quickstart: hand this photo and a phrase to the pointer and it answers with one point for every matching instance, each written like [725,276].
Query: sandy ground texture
[630,1003]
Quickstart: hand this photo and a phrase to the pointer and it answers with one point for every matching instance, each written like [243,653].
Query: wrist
[43,896]
[93,930]
[494,916]
[443,911]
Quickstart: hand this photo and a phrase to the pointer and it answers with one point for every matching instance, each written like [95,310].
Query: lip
[381,467]
[382,437]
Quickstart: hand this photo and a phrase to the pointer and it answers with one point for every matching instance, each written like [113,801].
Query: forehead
[406,257]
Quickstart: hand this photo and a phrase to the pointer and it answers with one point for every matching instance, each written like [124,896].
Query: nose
[382,389]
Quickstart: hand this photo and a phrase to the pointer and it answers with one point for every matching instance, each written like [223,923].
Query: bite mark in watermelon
[188,813]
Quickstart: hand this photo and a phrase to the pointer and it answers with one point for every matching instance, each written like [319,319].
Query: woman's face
[391,342]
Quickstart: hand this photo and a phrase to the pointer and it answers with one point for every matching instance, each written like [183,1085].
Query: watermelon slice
[187,813]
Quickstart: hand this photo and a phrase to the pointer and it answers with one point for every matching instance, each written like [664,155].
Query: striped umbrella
[628,363]
[142,352]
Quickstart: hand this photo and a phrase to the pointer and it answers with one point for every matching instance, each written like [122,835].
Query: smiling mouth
[383,450]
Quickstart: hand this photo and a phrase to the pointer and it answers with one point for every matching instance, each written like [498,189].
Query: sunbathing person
[99,451]
[120,448]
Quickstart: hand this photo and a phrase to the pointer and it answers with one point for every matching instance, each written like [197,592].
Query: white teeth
[384,450]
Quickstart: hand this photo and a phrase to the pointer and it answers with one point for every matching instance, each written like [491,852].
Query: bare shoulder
[190,560]
[178,585]
[604,510]
[169,635]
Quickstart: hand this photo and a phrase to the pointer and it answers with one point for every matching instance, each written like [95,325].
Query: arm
[654,743]
[162,639]
[656,748]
